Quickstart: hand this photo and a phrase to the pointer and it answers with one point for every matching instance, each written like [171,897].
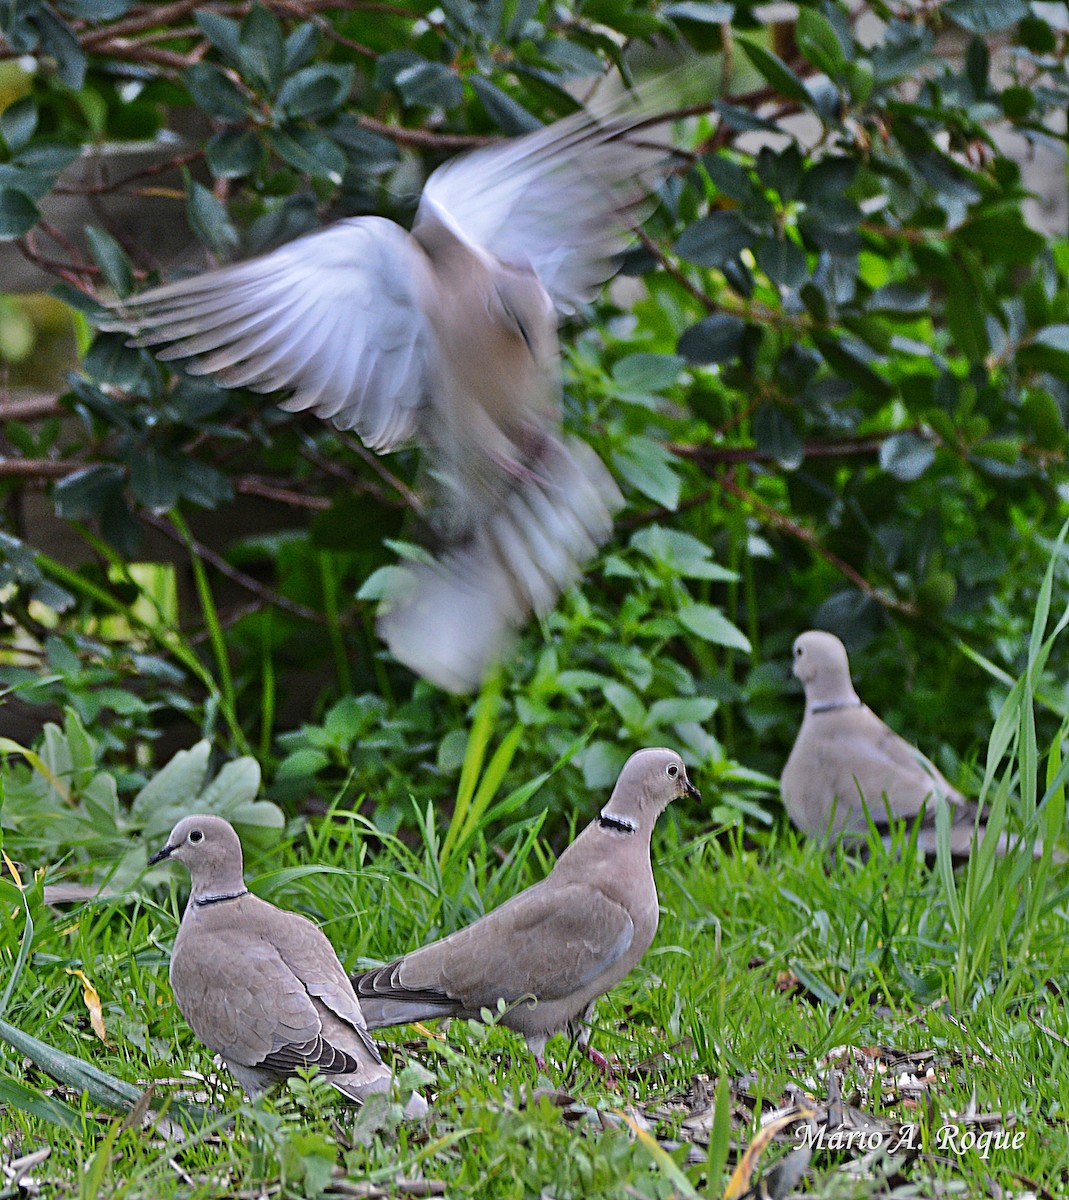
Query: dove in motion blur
[447,336]
[846,761]
[553,949]
[260,986]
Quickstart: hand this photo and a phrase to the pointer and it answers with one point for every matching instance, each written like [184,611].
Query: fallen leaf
[91,998]
[739,1182]
[13,871]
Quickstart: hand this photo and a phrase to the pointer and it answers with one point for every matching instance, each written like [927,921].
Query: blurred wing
[450,620]
[562,199]
[336,318]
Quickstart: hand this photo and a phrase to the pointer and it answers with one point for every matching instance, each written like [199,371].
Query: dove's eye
[671,771]
[196,836]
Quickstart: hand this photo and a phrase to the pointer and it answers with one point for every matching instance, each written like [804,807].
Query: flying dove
[447,336]
[260,986]
[846,760]
[552,950]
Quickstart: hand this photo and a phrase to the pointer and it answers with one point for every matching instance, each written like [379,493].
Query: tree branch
[216,560]
[771,516]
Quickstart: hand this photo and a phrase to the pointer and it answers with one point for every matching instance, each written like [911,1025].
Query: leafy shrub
[839,397]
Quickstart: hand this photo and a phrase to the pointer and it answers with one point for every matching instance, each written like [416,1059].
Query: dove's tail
[452,619]
[384,1000]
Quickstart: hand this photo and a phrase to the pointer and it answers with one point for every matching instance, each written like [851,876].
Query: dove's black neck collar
[617,824]
[835,705]
[204,901]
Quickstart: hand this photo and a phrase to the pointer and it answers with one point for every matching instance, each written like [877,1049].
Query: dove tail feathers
[451,619]
[384,1000]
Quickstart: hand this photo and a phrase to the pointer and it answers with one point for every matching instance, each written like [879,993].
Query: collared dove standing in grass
[448,336]
[846,760]
[260,986]
[552,950]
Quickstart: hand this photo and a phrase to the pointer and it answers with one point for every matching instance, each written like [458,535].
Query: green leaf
[705,12]
[315,92]
[985,16]
[776,433]
[819,42]
[96,10]
[507,114]
[775,71]
[906,456]
[233,153]
[101,1088]
[202,483]
[717,338]
[153,478]
[715,239]
[308,151]
[212,91]
[18,122]
[646,372]
[262,48]
[900,299]
[648,467]
[18,213]
[627,704]
[85,493]
[222,32]
[22,1098]
[1056,337]
[302,764]
[429,85]
[680,553]
[170,790]
[711,625]
[208,218]
[60,41]
[111,258]
[1000,233]
[680,709]
[602,763]
[301,46]
[782,260]
[850,359]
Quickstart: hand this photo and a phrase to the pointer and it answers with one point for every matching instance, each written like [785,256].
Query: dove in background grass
[845,761]
[447,336]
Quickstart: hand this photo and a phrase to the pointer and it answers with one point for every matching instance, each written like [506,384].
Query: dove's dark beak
[160,855]
[691,790]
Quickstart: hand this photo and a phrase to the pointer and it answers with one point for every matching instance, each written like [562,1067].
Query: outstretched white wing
[335,318]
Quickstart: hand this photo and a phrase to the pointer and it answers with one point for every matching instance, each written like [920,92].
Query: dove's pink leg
[601,1062]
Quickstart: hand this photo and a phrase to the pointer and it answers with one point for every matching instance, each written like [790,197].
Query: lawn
[843,1024]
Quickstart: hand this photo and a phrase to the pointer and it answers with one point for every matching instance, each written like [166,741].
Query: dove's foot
[601,1062]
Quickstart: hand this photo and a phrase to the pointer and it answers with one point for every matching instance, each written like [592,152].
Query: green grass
[785,983]
[770,959]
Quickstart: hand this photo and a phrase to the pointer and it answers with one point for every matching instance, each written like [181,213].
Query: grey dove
[447,336]
[845,759]
[553,949]
[260,986]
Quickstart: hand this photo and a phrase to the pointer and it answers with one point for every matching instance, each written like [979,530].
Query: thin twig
[37,469]
[252,486]
[213,558]
[772,516]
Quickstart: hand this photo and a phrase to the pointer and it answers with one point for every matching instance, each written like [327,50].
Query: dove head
[649,782]
[211,851]
[821,664]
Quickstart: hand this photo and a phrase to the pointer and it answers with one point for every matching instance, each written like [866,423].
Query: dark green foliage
[839,398]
